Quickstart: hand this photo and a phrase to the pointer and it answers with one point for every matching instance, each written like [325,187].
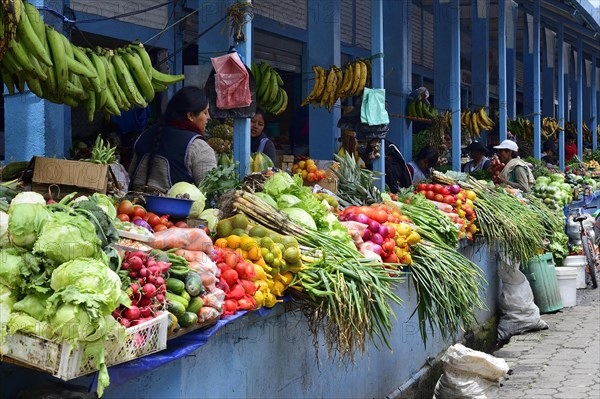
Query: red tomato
[138,210]
[181,224]
[429,187]
[388,245]
[153,220]
[380,216]
[123,217]
[160,227]
[429,195]
[444,191]
[125,207]
[438,198]
[136,218]
[170,224]
[437,188]
[449,199]
[164,220]
[422,187]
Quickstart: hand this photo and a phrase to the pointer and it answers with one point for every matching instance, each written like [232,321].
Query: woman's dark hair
[261,113]
[571,136]
[549,145]
[188,99]
[429,154]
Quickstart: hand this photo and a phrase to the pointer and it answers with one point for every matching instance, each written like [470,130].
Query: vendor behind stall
[516,173]
[479,160]
[259,142]
[174,150]
[420,167]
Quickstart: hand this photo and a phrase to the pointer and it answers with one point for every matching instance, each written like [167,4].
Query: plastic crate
[67,363]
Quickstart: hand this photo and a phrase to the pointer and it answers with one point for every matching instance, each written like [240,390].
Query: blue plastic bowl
[176,207]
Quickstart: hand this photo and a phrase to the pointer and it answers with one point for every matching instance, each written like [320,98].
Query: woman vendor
[259,142]
[516,173]
[420,167]
[174,150]
[479,160]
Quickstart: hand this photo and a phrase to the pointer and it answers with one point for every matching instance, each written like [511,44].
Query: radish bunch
[146,288]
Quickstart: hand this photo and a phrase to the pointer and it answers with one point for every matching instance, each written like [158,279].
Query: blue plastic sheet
[176,348]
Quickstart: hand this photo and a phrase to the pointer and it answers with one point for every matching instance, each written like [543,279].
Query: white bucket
[580,263]
[567,278]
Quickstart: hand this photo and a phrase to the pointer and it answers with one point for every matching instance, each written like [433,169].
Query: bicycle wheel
[590,255]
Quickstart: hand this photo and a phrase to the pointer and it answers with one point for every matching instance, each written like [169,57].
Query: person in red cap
[516,173]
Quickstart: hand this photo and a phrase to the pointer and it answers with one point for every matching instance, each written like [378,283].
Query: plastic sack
[214,299]
[206,313]
[519,313]
[199,261]
[182,238]
[469,374]
[372,110]
[231,81]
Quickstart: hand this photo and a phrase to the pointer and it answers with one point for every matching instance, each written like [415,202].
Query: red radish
[146,311]
[133,274]
[136,263]
[160,298]
[154,270]
[151,279]
[160,281]
[163,266]
[133,313]
[230,276]
[149,290]
[151,262]
[144,272]
[125,266]
[124,322]
[144,301]
[135,288]
[139,254]
[161,289]
[116,314]
[141,281]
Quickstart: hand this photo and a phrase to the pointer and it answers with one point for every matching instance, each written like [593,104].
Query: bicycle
[588,246]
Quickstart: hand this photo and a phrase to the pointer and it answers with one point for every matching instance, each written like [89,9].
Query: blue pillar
[241,126]
[561,95]
[594,104]
[579,98]
[512,21]
[34,126]
[587,93]
[528,67]
[572,112]
[537,117]
[446,70]
[480,71]
[377,73]
[398,71]
[175,43]
[323,49]
[503,13]
[548,73]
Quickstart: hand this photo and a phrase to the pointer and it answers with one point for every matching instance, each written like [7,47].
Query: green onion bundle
[348,295]
[506,222]
[449,288]
[554,227]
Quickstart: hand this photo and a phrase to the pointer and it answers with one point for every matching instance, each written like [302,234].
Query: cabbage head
[66,237]
[25,223]
[194,194]
[7,300]
[28,197]
[301,217]
[33,304]
[4,240]
[11,263]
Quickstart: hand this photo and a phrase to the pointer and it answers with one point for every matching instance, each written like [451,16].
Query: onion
[377,249]
[144,224]
[377,239]
[373,226]
[360,218]
[383,231]
[454,189]
[348,216]
[367,235]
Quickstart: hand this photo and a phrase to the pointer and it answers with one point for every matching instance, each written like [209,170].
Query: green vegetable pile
[219,181]
[56,279]
[554,228]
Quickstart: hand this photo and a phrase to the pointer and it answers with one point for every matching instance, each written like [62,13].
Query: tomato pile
[495,169]
[237,281]
[146,290]
[128,212]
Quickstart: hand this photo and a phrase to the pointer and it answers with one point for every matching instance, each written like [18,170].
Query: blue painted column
[323,49]
[512,21]
[480,44]
[34,126]
[548,74]
[175,42]
[537,117]
[561,95]
[446,71]
[572,113]
[398,71]
[241,126]
[594,104]
[580,98]
[528,67]
[377,74]
[587,93]
[503,7]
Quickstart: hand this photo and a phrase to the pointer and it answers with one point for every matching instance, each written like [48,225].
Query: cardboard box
[328,183]
[83,177]
[287,161]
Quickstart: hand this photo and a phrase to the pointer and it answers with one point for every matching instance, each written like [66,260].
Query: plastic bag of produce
[206,313]
[469,374]
[231,81]
[199,261]
[519,313]
[183,238]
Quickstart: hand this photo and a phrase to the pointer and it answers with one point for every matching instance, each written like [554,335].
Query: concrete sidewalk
[561,362]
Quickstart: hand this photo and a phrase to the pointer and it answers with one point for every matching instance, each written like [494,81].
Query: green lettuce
[33,304]
[66,237]
[22,322]
[25,223]
[11,263]
[7,300]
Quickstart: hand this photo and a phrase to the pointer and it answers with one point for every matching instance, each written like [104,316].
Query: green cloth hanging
[372,110]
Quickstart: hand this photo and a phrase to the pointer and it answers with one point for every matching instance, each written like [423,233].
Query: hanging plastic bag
[372,111]
[232,82]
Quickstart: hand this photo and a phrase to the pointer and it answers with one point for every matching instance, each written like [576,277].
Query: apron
[262,144]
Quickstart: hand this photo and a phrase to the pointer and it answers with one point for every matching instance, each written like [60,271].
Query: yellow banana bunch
[54,69]
[474,121]
[338,83]
[10,16]
[270,94]
[549,127]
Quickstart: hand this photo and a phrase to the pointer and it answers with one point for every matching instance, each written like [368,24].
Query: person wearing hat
[479,160]
[516,173]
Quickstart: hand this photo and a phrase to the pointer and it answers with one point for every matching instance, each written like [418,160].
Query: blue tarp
[176,348]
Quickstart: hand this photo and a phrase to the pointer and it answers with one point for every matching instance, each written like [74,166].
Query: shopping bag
[232,82]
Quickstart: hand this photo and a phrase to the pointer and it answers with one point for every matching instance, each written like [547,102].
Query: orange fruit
[254,253]
[233,241]
[221,243]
